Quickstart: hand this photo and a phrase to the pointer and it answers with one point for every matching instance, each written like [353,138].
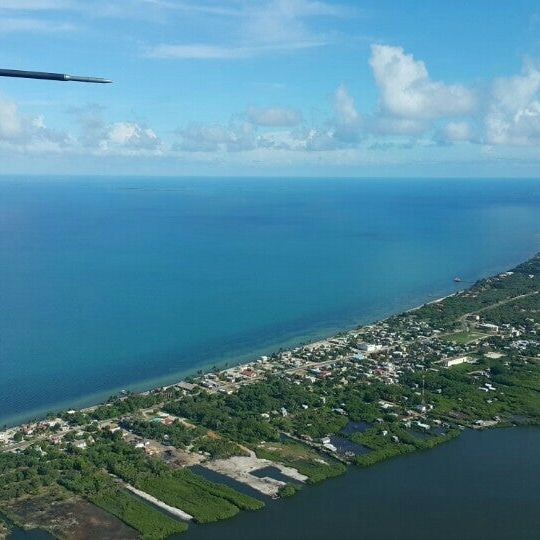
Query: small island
[145,465]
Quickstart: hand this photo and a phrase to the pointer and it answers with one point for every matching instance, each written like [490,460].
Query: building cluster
[387,353]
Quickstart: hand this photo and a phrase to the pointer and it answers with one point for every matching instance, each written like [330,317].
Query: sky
[273,87]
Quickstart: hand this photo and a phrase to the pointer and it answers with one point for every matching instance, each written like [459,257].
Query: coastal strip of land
[408,383]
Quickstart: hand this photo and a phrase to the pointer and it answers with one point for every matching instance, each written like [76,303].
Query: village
[298,416]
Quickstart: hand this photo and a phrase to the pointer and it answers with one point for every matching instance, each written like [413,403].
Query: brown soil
[69,517]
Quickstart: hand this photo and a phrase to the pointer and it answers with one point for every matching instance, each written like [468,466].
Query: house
[489,327]
[449,362]
[369,347]
[249,373]
[183,385]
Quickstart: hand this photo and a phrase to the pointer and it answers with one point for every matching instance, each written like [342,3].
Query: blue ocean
[113,283]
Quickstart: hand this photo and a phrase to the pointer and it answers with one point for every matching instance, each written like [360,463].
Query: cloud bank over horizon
[385,106]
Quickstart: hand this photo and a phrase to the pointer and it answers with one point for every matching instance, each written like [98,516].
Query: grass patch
[302,458]
[243,501]
[150,522]
[204,500]
[463,338]
[288,490]
[178,492]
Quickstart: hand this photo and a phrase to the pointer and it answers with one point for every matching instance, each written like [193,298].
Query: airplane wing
[50,76]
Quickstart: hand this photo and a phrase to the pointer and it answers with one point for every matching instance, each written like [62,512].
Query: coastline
[393,417]
[234,359]
[292,339]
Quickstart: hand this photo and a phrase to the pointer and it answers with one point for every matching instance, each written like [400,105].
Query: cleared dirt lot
[240,468]
[69,517]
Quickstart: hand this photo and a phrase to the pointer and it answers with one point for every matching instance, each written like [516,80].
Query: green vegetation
[117,407]
[382,446]
[180,436]
[204,500]
[382,454]
[242,501]
[239,416]
[175,434]
[307,461]
[85,473]
[218,447]
[428,442]
[31,476]
[408,398]
[462,338]
[151,523]
[485,293]
[177,491]
[288,490]
[4,530]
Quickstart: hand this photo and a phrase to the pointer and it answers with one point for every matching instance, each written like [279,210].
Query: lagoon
[479,486]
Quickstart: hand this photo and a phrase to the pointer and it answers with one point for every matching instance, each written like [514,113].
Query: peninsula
[145,465]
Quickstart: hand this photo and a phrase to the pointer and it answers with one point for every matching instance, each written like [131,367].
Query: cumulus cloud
[213,138]
[11,124]
[407,91]
[99,136]
[391,125]
[25,132]
[273,116]
[457,131]
[130,135]
[513,116]
[346,117]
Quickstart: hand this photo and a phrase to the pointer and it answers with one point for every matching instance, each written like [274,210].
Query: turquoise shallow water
[115,283]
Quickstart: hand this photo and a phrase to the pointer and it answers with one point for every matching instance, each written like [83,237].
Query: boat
[457,280]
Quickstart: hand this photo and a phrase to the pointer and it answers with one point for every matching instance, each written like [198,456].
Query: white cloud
[11,24]
[391,125]
[285,21]
[216,52]
[11,124]
[263,27]
[457,131]
[98,136]
[197,52]
[273,116]
[321,140]
[407,91]
[130,135]
[513,116]
[24,132]
[216,138]
[35,5]
[194,7]
[346,118]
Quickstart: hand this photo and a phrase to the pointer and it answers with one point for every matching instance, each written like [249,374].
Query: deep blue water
[115,283]
[481,486]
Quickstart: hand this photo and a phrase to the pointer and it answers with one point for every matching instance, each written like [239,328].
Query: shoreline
[384,410]
[234,360]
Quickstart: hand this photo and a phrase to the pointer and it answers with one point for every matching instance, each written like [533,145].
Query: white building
[449,362]
[369,347]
